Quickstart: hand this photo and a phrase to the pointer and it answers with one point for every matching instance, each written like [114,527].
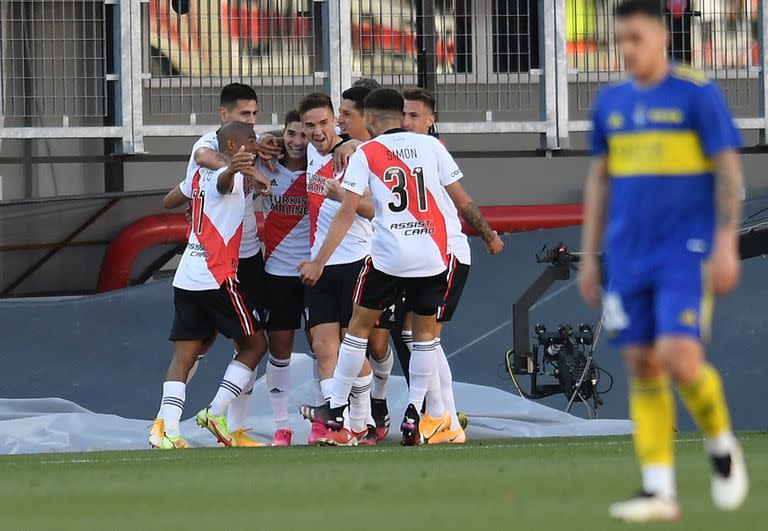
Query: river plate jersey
[407,174]
[211,254]
[660,143]
[250,244]
[286,221]
[357,242]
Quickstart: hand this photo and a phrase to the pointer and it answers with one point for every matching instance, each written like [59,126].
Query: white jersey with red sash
[357,242]
[212,251]
[286,221]
[407,174]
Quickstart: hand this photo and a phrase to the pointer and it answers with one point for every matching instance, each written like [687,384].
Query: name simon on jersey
[414,228]
[402,153]
[291,205]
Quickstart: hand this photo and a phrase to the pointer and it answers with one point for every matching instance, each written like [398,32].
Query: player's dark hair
[367,82]
[385,100]
[316,100]
[233,92]
[357,95]
[649,8]
[420,94]
[233,129]
[291,116]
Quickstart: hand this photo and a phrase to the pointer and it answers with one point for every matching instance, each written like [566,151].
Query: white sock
[360,403]
[236,378]
[434,399]
[421,368]
[381,371]
[319,398]
[191,373]
[237,412]
[720,445]
[326,389]
[351,360]
[446,385]
[172,406]
[659,480]
[279,382]
[407,336]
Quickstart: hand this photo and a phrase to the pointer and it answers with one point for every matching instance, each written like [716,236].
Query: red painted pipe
[164,229]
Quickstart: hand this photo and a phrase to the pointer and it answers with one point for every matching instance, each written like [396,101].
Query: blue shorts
[674,299]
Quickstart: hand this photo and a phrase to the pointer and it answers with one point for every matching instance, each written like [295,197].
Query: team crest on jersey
[615,120]
[689,317]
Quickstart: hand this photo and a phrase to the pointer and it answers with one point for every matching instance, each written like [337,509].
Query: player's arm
[310,270]
[474,218]
[333,190]
[720,141]
[342,153]
[729,196]
[595,200]
[225,182]
[175,198]
[210,158]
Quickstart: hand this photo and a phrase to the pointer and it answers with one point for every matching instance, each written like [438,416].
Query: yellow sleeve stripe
[663,153]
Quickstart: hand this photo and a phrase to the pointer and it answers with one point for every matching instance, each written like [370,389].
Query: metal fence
[128,69]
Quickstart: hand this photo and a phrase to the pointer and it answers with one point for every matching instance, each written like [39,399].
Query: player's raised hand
[496,245]
[724,265]
[264,186]
[269,150]
[333,190]
[241,160]
[310,271]
[589,281]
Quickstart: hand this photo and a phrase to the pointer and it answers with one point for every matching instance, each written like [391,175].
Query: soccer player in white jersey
[419,117]
[329,302]
[286,243]
[413,181]
[237,102]
[351,121]
[207,296]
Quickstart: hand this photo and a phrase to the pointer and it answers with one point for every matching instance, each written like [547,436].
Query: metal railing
[129,69]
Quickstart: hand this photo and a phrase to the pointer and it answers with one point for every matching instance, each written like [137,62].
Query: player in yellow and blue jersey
[663,198]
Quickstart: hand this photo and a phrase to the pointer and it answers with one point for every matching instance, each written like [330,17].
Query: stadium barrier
[162,229]
[137,68]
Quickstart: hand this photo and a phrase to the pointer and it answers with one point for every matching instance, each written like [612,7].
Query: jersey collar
[395,130]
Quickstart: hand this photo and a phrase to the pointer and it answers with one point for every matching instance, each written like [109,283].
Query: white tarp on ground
[57,425]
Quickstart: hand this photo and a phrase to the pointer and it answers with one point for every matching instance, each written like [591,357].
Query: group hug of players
[361,215]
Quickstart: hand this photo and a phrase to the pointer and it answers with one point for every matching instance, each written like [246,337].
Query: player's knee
[682,358]
[643,362]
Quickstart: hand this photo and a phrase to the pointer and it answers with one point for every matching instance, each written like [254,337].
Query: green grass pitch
[523,485]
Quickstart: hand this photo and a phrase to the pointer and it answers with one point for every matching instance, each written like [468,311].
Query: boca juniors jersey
[286,221]
[407,174]
[357,242]
[659,143]
[211,254]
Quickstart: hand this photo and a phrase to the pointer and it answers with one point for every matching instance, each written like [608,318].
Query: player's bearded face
[295,140]
[320,128]
[642,42]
